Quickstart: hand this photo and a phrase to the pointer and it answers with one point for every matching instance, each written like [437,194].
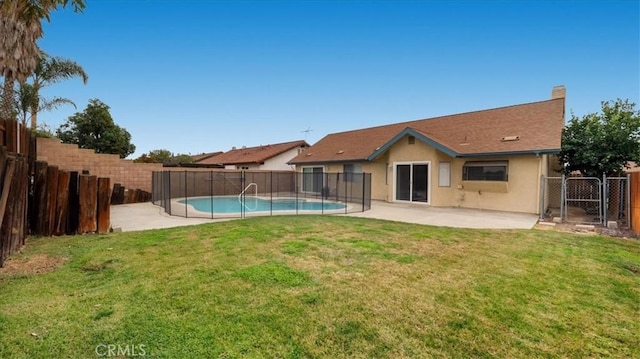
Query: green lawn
[322,287]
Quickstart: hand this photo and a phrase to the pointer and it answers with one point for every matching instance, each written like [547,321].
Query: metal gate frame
[598,201]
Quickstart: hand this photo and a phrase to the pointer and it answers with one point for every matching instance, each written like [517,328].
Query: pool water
[253,204]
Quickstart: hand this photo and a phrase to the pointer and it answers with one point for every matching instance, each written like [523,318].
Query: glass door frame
[395,180]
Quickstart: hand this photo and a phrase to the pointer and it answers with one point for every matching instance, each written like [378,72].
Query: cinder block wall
[71,158]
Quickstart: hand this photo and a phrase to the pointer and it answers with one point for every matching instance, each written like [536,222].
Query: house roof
[527,128]
[253,155]
[202,156]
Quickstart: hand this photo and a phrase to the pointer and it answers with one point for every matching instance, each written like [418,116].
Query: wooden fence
[39,199]
[67,202]
[635,202]
[17,152]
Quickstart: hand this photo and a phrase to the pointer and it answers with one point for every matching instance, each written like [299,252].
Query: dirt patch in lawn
[37,264]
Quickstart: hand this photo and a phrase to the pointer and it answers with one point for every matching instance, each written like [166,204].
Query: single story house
[489,159]
[264,157]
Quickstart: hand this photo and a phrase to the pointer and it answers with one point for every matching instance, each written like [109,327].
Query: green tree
[155,156]
[163,156]
[21,27]
[602,143]
[94,128]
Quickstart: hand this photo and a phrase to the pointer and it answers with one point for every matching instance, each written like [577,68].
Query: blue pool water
[252,204]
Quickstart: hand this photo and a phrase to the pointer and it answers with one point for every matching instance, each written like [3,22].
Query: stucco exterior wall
[279,162]
[520,193]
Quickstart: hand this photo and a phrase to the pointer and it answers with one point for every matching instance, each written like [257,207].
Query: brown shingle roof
[257,154]
[202,156]
[538,126]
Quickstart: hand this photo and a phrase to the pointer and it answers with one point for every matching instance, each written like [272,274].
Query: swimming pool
[233,204]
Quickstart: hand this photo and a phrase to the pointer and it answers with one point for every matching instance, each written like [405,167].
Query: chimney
[558,92]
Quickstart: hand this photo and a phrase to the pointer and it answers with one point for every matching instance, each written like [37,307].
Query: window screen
[485,171]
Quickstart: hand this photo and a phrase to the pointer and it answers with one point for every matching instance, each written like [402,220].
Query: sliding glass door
[412,182]
[312,179]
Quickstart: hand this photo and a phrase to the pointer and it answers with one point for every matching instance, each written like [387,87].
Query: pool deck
[141,216]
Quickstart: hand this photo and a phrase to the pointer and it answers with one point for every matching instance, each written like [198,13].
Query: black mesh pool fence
[239,194]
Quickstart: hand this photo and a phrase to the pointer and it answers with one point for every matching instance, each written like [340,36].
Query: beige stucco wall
[279,162]
[520,193]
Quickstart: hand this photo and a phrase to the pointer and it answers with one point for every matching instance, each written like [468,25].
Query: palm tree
[21,26]
[50,70]
[28,103]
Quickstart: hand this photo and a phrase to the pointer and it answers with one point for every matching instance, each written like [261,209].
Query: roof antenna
[306,132]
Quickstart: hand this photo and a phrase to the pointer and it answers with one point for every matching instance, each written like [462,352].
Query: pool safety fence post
[271,193]
[346,190]
[362,182]
[242,182]
[186,197]
[297,190]
[211,191]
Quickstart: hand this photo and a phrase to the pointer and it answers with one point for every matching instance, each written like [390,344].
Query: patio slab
[141,216]
[448,216]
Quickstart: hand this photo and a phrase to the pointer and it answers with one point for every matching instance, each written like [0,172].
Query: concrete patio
[141,216]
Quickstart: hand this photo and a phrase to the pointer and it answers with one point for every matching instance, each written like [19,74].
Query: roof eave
[551,151]
[328,161]
[409,131]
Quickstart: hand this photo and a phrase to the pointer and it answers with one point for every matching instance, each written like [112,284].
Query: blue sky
[203,76]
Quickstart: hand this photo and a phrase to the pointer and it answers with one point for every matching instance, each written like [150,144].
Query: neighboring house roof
[253,155]
[528,128]
[203,156]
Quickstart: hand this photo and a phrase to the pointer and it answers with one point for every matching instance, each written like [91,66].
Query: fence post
[563,198]
[542,190]
[186,196]
[62,204]
[363,188]
[103,205]
[628,201]
[604,220]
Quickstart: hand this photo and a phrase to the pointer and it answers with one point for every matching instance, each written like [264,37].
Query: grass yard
[322,287]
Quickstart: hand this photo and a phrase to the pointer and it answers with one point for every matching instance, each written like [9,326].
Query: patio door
[312,179]
[412,182]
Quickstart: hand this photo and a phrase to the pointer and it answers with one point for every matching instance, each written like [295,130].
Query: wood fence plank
[11,135]
[104,203]
[7,167]
[5,215]
[62,203]
[10,226]
[88,194]
[118,194]
[40,197]
[50,212]
[73,214]
[19,232]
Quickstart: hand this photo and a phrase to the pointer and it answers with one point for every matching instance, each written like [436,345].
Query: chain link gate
[618,202]
[586,200]
[583,200]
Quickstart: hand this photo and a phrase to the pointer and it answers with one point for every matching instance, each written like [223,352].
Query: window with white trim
[485,171]
[349,169]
